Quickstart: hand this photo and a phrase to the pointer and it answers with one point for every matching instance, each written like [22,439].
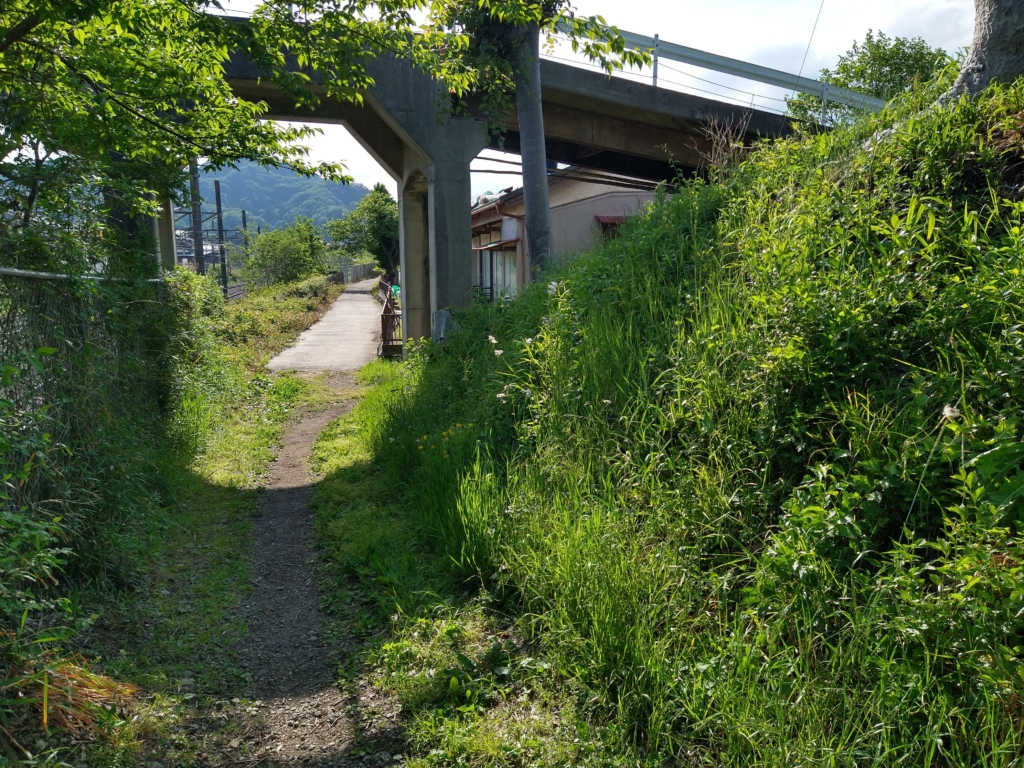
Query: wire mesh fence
[73,352]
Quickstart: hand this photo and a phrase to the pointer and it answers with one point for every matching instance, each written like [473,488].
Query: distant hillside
[273,197]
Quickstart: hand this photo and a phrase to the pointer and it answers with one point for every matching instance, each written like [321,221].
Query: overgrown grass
[750,476]
[467,679]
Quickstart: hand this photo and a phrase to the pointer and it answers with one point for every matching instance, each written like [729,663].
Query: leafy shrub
[370,229]
[311,288]
[286,255]
[882,66]
[31,551]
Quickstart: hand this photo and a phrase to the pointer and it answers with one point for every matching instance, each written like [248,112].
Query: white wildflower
[492,339]
[950,412]
[552,288]
[529,341]
[499,352]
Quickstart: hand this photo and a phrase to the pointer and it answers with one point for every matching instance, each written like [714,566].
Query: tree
[372,226]
[881,66]
[498,42]
[120,94]
[997,50]
[285,255]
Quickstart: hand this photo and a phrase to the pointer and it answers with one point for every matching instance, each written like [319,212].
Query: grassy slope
[749,480]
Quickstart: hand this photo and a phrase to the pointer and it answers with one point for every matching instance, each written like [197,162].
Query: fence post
[197,217]
[164,226]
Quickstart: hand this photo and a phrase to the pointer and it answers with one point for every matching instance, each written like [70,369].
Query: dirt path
[304,715]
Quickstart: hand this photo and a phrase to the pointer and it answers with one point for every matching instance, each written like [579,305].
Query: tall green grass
[751,474]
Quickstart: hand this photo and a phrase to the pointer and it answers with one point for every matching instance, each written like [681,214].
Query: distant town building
[584,208]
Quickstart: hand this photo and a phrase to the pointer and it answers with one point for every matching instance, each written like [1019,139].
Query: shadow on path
[306,718]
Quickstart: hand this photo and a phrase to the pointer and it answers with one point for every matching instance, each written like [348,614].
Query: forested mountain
[273,197]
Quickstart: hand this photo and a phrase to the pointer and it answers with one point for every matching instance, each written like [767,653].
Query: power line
[813,30]
[689,87]
[720,85]
[732,99]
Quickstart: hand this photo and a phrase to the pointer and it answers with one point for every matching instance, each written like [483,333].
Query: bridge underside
[590,120]
[630,128]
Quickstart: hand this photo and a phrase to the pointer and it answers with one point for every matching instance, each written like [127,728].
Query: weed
[165,557]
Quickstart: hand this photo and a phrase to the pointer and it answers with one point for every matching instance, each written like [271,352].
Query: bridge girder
[404,122]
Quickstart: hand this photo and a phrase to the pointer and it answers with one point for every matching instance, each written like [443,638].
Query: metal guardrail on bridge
[662,49]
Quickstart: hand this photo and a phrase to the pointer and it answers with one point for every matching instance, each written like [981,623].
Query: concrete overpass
[405,123]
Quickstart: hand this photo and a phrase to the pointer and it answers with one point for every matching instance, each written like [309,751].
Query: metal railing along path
[31,274]
[390,322]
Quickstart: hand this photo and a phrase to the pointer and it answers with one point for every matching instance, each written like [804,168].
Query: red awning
[611,219]
[501,245]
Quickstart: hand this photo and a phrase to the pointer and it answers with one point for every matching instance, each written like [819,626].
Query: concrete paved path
[345,339]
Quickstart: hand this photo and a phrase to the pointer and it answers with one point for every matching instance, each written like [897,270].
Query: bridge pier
[449,197]
[435,237]
[414,241]
[405,122]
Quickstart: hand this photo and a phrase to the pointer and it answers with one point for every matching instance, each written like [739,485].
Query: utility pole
[220,240]
[197,216]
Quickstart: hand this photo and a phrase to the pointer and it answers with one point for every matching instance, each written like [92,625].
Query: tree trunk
[997,51]
[532,150]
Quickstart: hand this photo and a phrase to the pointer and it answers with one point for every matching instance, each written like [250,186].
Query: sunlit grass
[471,688]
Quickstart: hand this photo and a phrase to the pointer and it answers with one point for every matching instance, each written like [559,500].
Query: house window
[610,225]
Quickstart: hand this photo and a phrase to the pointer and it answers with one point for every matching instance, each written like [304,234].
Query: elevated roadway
[406,123]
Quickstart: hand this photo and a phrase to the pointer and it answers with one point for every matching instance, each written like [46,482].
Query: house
[584,207]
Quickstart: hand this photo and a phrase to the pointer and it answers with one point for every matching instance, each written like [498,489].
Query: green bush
[286,255]
[369,232]
[751,474]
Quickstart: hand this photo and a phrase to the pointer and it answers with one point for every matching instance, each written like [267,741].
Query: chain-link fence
[74,347]
[79,362]
[351,273]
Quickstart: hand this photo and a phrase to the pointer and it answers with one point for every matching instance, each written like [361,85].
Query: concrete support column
[450,222]
[451,242]
[415,255]
[163,231]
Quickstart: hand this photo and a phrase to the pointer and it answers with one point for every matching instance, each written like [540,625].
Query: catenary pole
[220,240]
[197,216]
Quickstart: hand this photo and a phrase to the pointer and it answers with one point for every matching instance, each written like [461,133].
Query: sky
[773,33]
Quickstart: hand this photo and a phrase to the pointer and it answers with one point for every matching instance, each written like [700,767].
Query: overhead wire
[686,85]
[661,63]
[809,41]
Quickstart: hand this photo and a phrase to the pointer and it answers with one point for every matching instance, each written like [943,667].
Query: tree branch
[19,30]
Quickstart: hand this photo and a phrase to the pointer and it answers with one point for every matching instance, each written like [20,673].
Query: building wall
[575,206]
[575,224]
